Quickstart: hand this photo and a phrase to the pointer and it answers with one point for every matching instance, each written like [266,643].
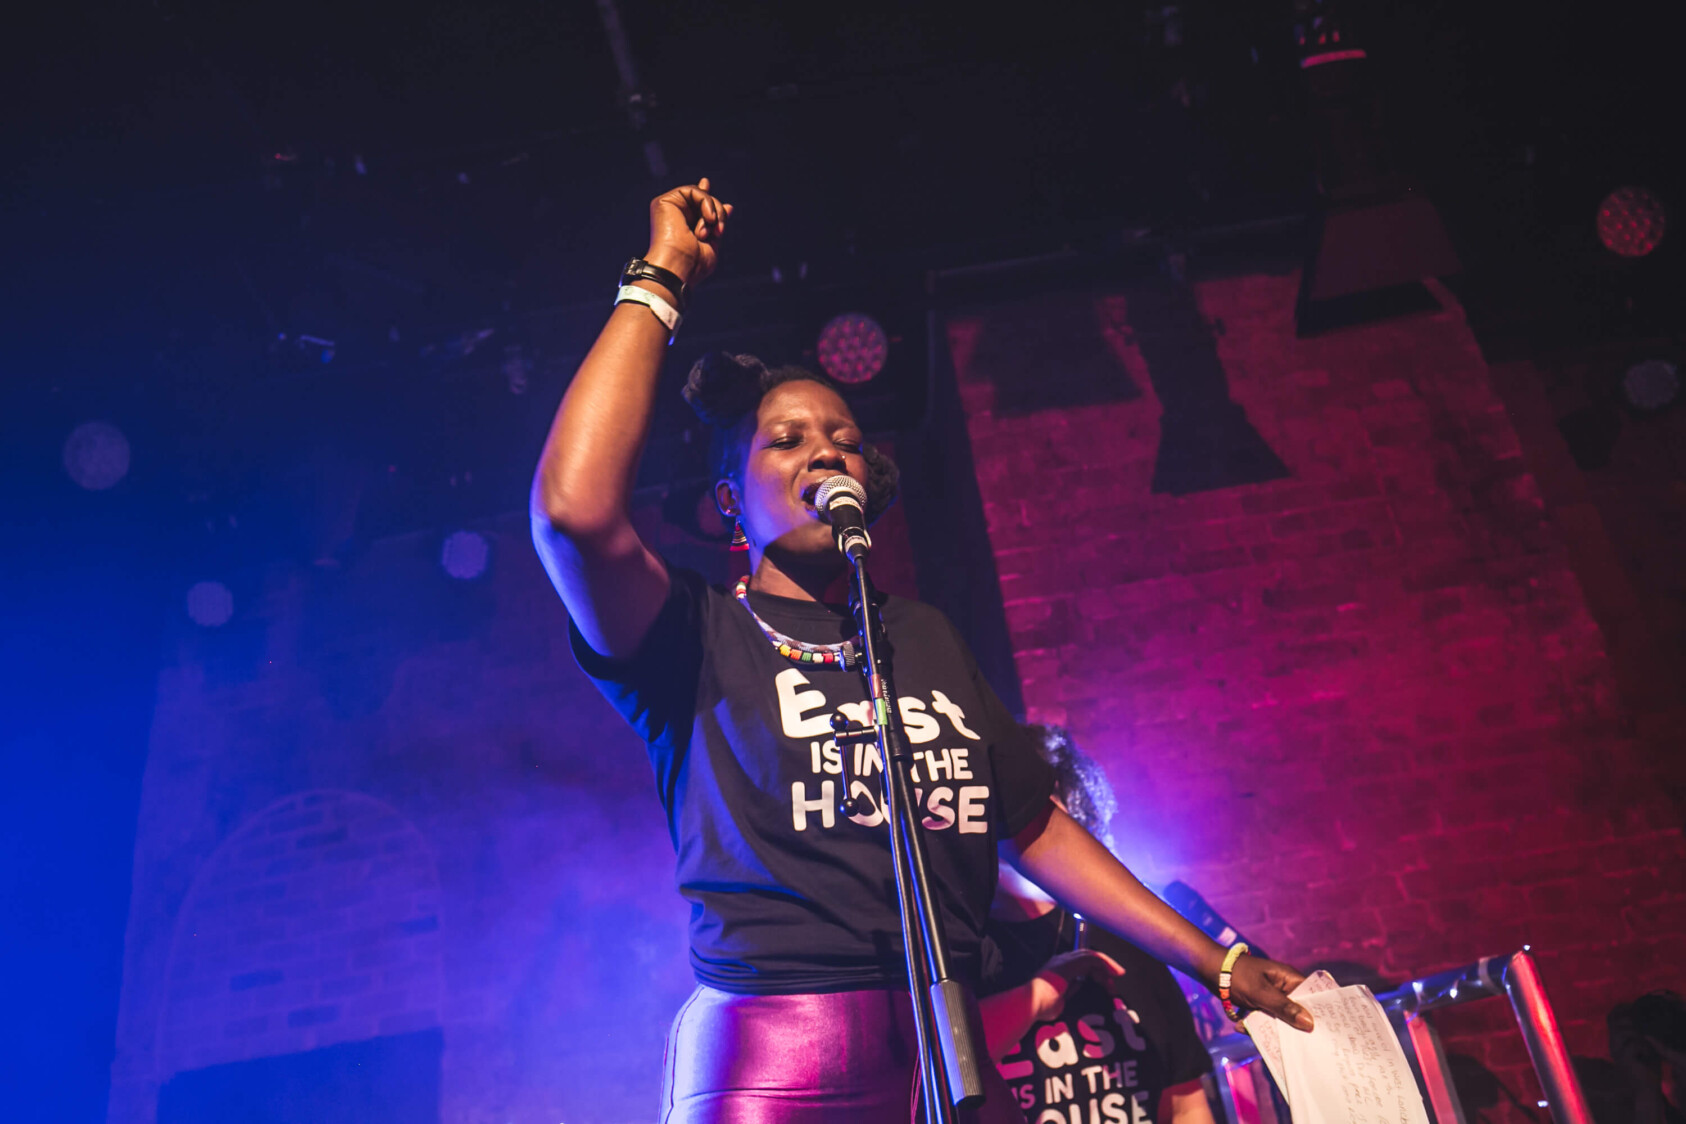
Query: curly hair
[726,390]
[1079,782]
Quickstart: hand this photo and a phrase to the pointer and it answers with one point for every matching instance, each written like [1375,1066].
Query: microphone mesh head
[839,488]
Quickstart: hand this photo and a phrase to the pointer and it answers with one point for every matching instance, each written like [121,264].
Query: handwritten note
[1350,1069]
[1267,1031]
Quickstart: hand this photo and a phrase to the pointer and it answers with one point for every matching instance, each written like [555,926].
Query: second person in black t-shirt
[1079,1019]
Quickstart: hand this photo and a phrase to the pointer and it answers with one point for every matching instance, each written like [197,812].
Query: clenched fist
[686,225]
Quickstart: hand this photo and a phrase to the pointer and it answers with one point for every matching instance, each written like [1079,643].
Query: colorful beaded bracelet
[1225,975]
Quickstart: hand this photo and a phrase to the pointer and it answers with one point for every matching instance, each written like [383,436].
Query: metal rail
[1516,977]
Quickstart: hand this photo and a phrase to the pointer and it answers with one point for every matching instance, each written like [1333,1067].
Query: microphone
[841,501]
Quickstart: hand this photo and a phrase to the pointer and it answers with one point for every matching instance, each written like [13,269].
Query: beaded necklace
[843,656]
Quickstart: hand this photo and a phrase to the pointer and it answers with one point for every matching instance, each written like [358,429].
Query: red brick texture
[1365,709]
[1624,524]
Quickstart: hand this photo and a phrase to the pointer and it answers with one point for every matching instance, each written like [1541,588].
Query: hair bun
[724,388]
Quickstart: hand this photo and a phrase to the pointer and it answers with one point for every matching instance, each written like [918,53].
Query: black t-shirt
[787,894]
[1115,1049]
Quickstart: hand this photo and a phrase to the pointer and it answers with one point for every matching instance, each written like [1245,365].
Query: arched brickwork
[317,922]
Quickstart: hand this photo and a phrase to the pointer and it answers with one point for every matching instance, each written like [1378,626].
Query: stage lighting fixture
[465,555]
[853,348]
[1651,386]
[1631,222]
[96,455]
[210,604]
[1377,237]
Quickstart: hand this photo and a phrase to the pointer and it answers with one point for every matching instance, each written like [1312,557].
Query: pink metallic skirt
[843,1058]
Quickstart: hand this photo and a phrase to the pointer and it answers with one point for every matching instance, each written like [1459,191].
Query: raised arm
[1082,875]
[611,582]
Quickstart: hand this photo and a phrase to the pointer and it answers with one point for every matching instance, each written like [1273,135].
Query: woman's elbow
[570,513]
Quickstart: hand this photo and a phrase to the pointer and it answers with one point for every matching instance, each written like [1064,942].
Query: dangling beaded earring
[740,541]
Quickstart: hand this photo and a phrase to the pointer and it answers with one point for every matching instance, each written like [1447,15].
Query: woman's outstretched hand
[1257,984]
[686,225]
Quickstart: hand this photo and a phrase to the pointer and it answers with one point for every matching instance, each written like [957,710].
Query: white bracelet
[665,312]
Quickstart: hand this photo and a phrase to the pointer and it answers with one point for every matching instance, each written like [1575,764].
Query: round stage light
[853,347]
[1651,385]
[210,604]
[96,454]
[465,555]
[1631,222]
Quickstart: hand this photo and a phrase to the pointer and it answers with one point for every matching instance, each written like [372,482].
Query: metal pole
[1436,1075]
[1232,1055]
[1517,978]
[1545,1042]
[938,1104]
[632,92]
[1240,1093]
[1445,989]
[942,1008]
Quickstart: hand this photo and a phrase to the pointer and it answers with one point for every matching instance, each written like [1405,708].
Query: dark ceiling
[436,187]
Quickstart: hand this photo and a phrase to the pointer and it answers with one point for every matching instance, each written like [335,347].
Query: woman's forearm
[585,475]
[1082,875]
[611,582]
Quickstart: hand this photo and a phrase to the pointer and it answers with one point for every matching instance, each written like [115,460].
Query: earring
[740,541]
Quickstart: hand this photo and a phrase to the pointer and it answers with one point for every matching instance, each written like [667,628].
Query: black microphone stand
[942,1007]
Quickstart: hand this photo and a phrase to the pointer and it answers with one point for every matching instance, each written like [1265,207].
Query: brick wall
[1624,524]
[1363,707]
[315,923]
[1345,680]
[380,800]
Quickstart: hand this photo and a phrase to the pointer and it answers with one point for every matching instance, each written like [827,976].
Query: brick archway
[315,923]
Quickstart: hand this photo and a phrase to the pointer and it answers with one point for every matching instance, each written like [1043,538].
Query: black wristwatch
[640,270]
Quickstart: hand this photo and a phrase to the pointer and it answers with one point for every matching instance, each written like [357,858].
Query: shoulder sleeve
[1023,780]
[1173,1026]
[655,690]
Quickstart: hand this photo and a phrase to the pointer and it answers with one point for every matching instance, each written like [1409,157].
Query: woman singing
[801,1011]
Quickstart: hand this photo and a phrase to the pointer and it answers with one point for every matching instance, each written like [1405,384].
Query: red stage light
[1631,222]
[853,348]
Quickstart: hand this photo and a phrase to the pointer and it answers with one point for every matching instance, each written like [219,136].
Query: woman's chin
[808,547]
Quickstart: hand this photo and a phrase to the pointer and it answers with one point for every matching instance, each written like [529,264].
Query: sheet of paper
[1267,1030]
[1351,1069]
